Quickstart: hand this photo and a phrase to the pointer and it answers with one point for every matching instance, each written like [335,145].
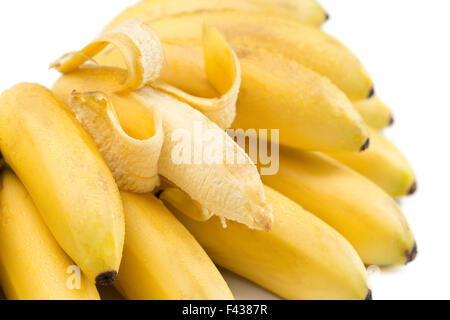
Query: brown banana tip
[413,188]
[158,193]
[369,295]
[411,255]
[106,278]
[327,16]
[366,145]
[371,92]
[391,121]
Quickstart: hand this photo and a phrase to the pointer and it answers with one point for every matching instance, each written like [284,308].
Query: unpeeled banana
[301,258]
[161,259]
[32,265]
[305,44]
[305,11]
[375,112]
[358,209]
[66,177]
[314,114]
[382,163]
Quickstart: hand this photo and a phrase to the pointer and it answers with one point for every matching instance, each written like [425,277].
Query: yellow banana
[315,114]
[375,112]
[32,265]
[228,189]
[383,164]
[180,200]
[358,209]
[66,177]
[301,258]
[305,11]
[161,259]
[307,45]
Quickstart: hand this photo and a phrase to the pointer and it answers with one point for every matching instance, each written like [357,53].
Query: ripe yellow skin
[65,176]
[357,208]
[304,11]
[161,259]
[300,258]
[382,163]
[276,93]
[304,44]
[374,112]
[32,265]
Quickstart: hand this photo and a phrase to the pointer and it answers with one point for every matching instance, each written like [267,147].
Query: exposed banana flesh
[314,114]
[66,177]
[32,265]
[382,163]
[161,259]
[375,112]
[231,190]
[305,11]
[357,208]
[301,258]
[305,44]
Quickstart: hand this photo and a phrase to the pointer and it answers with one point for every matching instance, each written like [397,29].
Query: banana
[375,112]
[161,259]
[305,44]
[32,265]
[383,164]
[317,115]
[2,162]
[66,177]
[230,189]
[305,11]
[357,208]
[301,258]
[181,201]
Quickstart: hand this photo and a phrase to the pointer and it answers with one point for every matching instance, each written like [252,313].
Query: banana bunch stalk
[140,113]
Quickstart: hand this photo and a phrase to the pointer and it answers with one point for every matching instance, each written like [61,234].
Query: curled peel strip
[223,71]
[143,55]
[133,162]
[139,45]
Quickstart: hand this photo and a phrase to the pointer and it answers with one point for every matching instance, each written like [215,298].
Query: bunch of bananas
[94,175]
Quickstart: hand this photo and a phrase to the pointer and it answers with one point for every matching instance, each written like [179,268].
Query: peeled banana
[305,11]
[301,258]
[32,265]
[161,259]
[358,209]
[383,164]
[375,112]
[66,177]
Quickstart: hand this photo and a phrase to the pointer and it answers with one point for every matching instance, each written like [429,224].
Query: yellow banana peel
[32,265]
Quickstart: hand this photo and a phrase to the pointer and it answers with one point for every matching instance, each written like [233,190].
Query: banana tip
[411,255]
[391,121]
[366,145]
[371,92]
[327,16]
[369,295]
[413,188]
[106,278]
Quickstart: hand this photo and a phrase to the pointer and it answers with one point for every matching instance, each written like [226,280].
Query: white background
[405,45]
